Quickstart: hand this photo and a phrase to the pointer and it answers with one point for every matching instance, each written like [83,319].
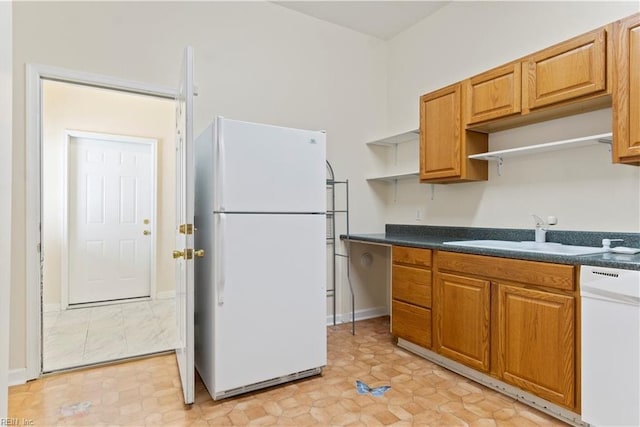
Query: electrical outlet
[418,215]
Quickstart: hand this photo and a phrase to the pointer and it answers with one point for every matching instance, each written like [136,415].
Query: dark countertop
[432,237]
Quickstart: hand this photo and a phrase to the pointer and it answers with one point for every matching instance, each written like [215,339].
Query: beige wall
[74,107]
[5,196]
[580,186]
[254,61]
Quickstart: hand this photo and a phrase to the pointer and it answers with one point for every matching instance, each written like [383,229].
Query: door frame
[6,183]
[35,73]
[153,146]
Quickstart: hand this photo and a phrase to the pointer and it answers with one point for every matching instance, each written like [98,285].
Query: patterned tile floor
[147,393]
[82,336]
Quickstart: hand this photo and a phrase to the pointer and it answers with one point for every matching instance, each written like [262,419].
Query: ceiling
[381,19]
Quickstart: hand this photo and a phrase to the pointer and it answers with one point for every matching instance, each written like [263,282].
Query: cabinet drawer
[413,256]
[569,70]
[493,94]
[556,276]
[411,323]
[412,285]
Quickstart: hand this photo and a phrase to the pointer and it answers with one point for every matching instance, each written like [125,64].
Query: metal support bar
[332,240]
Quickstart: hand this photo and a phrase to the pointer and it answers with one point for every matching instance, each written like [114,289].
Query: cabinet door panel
[411,323]
[493,94]
[537,342]
[462,307]
[626,91]
[566,71]
[412,285]
[440,127]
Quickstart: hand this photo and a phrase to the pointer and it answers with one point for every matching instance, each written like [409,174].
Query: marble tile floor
[147,392]
[82,336]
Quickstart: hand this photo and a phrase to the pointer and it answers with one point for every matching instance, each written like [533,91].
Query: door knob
[146,232]
[199,253]
[178,254]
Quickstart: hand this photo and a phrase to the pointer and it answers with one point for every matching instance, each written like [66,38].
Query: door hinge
[39,247]
[186,229]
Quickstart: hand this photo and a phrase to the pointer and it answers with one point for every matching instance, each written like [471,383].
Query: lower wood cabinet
[536,345]
[462,307]
[510,319]
[411,295]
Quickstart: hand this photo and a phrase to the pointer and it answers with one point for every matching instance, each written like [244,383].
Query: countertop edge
[609,260]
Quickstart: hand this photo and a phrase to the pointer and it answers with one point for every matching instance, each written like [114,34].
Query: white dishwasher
[610,346]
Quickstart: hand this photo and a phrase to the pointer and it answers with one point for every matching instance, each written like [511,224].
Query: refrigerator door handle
[219,258]
[221,163]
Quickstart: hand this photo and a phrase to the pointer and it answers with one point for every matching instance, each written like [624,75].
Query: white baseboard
[165,294]
[50,308]
[17,376]
[367,313]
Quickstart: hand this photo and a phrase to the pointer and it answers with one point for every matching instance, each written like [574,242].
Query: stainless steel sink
[527,246]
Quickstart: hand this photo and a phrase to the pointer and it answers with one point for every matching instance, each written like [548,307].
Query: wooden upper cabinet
[626,90]
[566,71]
[444,143]
[537,342]
[440,133]
[493,94]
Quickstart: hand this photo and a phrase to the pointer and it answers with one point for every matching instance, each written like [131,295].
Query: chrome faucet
[541,227]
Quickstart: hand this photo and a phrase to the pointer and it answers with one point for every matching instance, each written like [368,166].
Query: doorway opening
[107,219]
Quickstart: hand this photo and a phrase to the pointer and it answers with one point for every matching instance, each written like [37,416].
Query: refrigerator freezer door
[270,302]
[263,168]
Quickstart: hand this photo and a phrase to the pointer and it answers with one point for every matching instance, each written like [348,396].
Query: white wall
[370,271]
[5,196]
[253,61]
[75,107]
[581,187]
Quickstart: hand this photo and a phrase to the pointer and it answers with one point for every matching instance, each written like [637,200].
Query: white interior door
[185,197]
[109,211]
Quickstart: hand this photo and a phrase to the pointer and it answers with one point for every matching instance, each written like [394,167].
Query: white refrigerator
[260,289]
